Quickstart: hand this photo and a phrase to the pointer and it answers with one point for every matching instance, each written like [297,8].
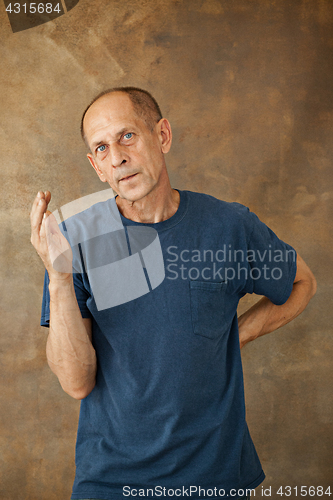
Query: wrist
[59,281]
[245,337]
[247,329]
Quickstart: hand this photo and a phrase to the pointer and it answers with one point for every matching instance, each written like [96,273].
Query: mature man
[160,376]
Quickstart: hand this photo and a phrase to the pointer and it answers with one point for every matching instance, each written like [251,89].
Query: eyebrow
[95,144]
[98,143]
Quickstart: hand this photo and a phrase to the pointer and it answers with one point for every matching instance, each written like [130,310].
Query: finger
[44,229]
[47,197]
[48,225]
[40,195]
[51,224]
[37,214]
[35,202]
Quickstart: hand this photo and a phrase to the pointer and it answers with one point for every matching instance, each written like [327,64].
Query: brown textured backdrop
[248,88]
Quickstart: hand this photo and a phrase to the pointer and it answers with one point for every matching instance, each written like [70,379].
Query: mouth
[128,177]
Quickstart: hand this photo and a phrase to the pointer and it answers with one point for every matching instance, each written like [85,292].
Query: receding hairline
[144,105]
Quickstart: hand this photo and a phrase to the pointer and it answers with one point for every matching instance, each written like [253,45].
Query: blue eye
[128,136]
[100,150]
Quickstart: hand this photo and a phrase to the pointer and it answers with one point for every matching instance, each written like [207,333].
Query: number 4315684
[33,8]
[304,491]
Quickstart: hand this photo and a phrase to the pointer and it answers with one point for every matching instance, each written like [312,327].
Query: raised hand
[49,242]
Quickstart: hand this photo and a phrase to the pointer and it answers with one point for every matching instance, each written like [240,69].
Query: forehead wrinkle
[110,110]
[106,131]
[101,121]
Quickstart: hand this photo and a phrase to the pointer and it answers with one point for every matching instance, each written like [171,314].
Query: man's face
[124,152]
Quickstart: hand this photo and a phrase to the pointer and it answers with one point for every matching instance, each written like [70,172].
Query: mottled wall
[248,88]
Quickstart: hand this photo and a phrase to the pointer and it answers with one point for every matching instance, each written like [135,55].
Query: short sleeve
[82,296]
[271,263]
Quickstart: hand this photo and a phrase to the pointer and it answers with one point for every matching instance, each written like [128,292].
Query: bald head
[143,103]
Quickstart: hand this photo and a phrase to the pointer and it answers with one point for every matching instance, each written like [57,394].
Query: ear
[165,134]
[95,166]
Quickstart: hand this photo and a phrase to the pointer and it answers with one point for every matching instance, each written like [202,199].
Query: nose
[118,156]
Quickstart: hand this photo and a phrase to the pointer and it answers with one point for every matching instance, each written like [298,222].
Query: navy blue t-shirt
[168,407]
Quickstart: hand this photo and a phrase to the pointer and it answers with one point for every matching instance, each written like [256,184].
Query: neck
[157,206]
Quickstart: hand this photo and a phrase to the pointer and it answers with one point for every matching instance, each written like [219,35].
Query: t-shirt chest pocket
[208,308]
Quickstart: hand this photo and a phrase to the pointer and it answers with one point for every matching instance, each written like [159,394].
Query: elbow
[72,386]
[79,393]
[313,286]
[305,278]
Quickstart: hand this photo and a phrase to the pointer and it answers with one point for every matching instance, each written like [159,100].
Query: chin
[135,193]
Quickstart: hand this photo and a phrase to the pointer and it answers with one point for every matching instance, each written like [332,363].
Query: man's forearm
[265,317]
[69,350]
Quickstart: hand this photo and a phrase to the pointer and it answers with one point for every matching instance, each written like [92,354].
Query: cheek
[151,161]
